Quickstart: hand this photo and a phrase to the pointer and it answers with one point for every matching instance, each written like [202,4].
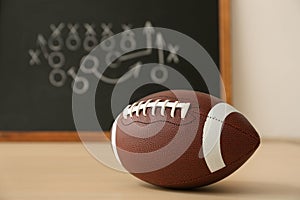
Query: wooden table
[67,171]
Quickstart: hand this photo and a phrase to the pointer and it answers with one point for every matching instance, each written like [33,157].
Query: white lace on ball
[142,105]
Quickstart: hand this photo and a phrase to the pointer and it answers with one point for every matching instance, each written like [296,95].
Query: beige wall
[266,64]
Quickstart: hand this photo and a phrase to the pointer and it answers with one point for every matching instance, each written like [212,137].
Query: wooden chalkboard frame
[72,136]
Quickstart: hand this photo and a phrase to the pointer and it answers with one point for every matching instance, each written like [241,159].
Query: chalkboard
[42,43]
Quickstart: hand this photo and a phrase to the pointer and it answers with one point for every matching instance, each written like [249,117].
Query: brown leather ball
[182,139]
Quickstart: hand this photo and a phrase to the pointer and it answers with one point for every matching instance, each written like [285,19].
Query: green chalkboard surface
[43,41]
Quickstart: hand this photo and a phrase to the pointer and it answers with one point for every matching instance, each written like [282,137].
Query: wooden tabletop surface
[35,171]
